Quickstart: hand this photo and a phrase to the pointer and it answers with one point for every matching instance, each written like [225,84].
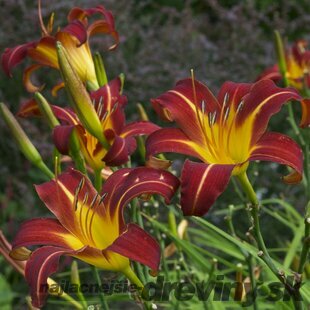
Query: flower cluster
[224,132]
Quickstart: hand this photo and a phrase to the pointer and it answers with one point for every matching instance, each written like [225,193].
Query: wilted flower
[90,226]
[224,132]
[74,37]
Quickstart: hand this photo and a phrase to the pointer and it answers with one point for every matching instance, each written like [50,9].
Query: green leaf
[6,294]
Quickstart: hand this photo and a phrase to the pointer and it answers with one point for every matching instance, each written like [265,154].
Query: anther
[226,114]
[100,100]
[99,111]
[76,193]
[80,186]
[114,107]
[85,198]
[213,118]
[203,106]
[226,98]
[240,106]
[210,118]
[94,200]
[102,198]
[104,115]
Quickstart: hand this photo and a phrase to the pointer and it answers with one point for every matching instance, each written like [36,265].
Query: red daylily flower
[225,133]
[297,74]
[109,104]
[90,226]
[298,67]
[74,37]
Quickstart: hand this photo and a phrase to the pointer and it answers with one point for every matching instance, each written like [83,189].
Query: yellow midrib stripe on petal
[203,178]
[132,187]
[245,146]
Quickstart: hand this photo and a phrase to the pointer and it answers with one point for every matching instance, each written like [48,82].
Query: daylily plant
[109,104]
[74,37]
[91,226]
[297,67]
[225,133]
[297,74]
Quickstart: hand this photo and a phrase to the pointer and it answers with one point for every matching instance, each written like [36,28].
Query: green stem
[132,277]
[65,296]
[103,302]
[249,261]
[98,180]
[76,154]
[306,243]
[248,257]
[263,252]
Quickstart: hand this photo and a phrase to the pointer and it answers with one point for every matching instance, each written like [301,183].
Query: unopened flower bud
[25,145]
[80,98]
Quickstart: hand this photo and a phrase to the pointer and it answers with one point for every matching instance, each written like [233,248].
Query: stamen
[83,227]
[89,228]
[203,106]
[213,118]
[99,110]
[94,200]
[226,114]
[225,101]
[102,198]
[210,118]
[80,186]
[43,29]
[240,106]
[100,100]
[114,107]
[103,118]
[85,199]
[76,193]
[202,125]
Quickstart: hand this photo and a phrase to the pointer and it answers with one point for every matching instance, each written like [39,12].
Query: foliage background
[160,42]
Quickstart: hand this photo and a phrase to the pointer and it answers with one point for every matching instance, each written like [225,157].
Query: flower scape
[143,202]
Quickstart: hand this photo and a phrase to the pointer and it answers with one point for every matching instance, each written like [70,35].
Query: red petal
[108,21]
[172,140]
[113,182]
[45,52]
[109,95]
[27,79]
[29,108]
[142,181]
[99,27]
[61,138]
[43,231]
[42,263]
[137,245]
[139,128]
[281,149]
[58,196]
[56,88]
[119,152]
[13,56]
[184,109]
[305,113]
[232,93]
[201,184]
[271,73]
[263,100]
[77,30]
